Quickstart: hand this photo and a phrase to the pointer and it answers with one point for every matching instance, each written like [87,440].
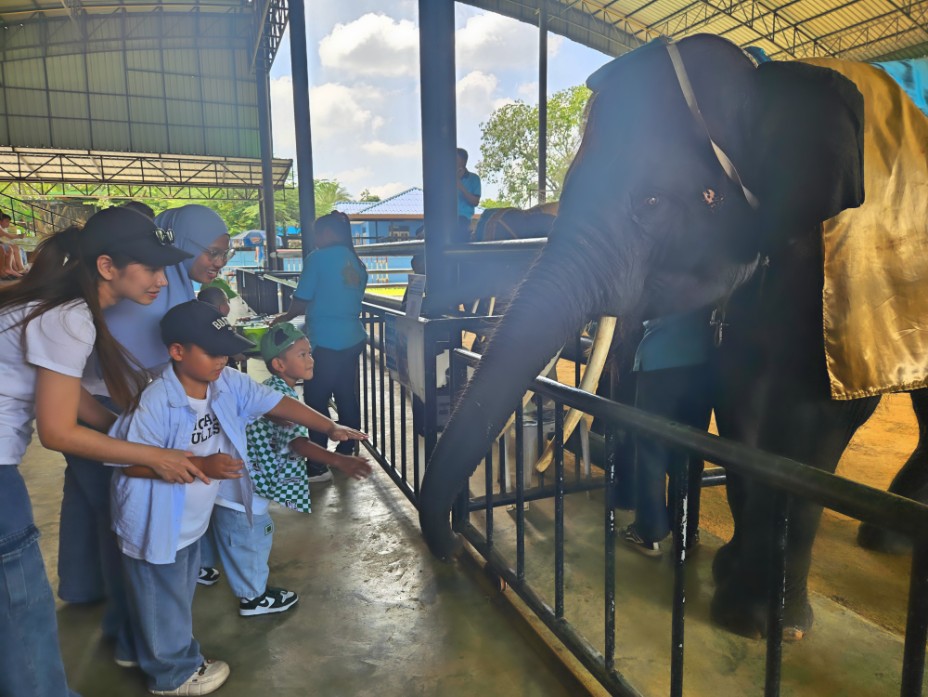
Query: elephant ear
[808,136]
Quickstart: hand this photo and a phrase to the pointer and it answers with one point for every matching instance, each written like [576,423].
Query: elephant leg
[812,430]
[911,482]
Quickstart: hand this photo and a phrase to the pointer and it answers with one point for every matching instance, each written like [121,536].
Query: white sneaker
[209,677]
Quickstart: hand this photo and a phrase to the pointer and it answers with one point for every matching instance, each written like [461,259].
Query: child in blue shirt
[276,458]
[200,406]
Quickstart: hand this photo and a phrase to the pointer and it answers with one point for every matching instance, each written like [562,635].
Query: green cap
[278,339]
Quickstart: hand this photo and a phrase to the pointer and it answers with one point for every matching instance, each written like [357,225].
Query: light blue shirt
[333,283]
[471,182]
[147,512]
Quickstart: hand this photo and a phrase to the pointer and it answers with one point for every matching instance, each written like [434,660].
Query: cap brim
[159,255]
[229,344]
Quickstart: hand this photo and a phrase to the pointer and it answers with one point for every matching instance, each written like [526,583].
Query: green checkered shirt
[278,473]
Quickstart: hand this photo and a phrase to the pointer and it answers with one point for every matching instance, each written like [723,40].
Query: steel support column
[304,143]
[262,80]
[542,105]
[439,135]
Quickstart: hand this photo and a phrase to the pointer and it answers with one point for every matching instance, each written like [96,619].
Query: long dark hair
[339,224]
[59,275]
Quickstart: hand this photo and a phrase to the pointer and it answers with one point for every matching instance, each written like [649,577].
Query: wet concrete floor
[377,615]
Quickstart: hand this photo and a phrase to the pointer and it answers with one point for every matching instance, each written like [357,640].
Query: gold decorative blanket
[876,256]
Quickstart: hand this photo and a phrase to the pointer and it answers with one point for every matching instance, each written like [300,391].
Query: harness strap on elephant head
[690,96]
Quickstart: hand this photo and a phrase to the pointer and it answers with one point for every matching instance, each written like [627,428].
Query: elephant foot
[738,614]
[747,616]
[797,621]
[882,540]
[724,564]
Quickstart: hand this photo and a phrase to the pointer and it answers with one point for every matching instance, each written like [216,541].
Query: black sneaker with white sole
[630,537]
[208,576]
[273,600]
[317,474]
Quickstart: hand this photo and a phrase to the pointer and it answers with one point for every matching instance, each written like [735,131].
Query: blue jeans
[161,609]
[30,657]
[242,549]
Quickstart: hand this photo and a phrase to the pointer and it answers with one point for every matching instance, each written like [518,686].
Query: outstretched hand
[342,433]
[352,465]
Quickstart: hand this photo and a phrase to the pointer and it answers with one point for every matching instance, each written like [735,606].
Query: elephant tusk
[594,369]
[527,397]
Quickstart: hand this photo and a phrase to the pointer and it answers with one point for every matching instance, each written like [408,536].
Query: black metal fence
[404,428]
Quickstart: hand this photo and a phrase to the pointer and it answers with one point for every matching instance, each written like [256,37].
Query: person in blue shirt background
[468,184]
[330,292]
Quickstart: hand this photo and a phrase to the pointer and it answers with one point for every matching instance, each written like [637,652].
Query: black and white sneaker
[273,600]
[208,576]
[631,538]
[316,473]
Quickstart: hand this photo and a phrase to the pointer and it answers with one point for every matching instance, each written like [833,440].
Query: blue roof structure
[352,207]
[406,204]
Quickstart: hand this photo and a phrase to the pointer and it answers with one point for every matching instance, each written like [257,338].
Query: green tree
[496,203]
[328,193]
[367,197]
[509,145]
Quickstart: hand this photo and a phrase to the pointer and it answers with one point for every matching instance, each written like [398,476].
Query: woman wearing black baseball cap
[51,322]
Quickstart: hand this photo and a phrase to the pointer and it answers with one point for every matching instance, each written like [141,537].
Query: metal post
[301,121]
[262,82]
[542,104]
[439,135]
[916,629]
[778,539]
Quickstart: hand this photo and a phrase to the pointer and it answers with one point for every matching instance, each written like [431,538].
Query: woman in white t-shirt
[50,324]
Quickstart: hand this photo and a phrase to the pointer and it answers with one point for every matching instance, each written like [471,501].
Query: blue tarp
[912,76]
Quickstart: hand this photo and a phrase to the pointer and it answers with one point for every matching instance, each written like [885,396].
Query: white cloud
[478,96]
[528,91]
[492,42]
[282,117]
[349,177]
[341,110]
[378,147]
[373,44]
[389,189]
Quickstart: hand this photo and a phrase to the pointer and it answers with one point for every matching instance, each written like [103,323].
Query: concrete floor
[377,616]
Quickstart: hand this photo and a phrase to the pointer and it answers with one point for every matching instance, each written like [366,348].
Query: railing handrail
[830,490]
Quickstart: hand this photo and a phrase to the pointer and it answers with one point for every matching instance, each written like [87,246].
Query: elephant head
[651,223]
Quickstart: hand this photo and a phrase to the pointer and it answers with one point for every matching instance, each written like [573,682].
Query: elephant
[702,179]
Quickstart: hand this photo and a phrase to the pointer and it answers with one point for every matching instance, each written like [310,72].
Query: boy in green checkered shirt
[277,455]
[278,452]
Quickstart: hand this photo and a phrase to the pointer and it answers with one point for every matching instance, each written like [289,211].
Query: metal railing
[404,429]
[786,477]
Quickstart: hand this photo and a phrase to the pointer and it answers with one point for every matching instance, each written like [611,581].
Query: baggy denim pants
[161,609]
[30,657]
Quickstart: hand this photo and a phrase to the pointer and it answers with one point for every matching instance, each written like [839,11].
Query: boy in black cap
[199,406]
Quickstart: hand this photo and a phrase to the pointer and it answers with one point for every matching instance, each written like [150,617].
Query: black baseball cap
[199,323]
[122,230]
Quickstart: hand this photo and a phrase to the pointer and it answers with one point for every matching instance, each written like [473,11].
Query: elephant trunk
[552,303]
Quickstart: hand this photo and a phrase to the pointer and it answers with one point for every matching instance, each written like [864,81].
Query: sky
[364,86]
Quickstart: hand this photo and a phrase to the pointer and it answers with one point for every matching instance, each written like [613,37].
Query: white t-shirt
[207,439]
[60,340]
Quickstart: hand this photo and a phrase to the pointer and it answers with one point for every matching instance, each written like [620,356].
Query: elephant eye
[651,201]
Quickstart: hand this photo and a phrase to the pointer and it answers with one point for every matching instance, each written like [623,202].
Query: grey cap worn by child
[278,339]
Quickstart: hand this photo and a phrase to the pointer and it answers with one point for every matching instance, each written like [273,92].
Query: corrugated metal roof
[406,204]
[851,29]
[351,207]
[108,91]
